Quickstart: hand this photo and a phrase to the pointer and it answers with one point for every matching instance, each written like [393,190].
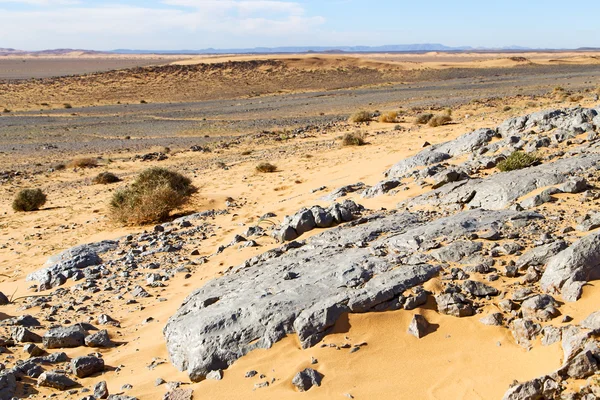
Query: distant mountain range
[407,48]
[321,49]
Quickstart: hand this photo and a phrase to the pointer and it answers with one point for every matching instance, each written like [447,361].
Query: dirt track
[103,129]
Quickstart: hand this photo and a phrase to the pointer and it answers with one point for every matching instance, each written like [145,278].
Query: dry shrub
[507,108]
[353,139]
[575,98]
[361,116]
[424,118]
[266,167]
[67,105]
[439,120]
[151,197]
[29,200]
[84,162]
[389,117]
[517,160]
[105,178]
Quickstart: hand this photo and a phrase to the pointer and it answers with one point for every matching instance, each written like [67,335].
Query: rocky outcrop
[308,219]
[441,152]
[500,190]
[304,287]
[69,263]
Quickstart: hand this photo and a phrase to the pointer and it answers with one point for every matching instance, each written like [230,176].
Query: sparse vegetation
[67,105]
[246,152]
[507,108]
[104,178]
[84,162]
[389,117]
[439,120]
[361,116]
[266,167]
[29,200]
[154,194]
[353,139]
[518,160]
[424,118]
[143,102]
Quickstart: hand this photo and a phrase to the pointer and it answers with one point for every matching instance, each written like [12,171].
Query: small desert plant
[517,160]
[507,108]
[143,102]
[361,116]
[105,178]
[246,152]
[389,117]
[84,162]
[439,120]
[266,167]
[353,139]
[67,105]
[151,197]
[422,119]
[29,200]
[575,98]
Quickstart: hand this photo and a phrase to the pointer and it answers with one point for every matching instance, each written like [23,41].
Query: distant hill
[308,49]
[394,48]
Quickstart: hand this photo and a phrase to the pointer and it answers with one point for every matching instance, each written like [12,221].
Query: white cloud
[185,24]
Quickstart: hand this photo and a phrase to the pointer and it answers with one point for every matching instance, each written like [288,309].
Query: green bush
[517,160]
[29,200]
[151,197]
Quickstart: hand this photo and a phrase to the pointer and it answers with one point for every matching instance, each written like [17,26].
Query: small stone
[418,326]
[215,375]
[101,390]
[306,379]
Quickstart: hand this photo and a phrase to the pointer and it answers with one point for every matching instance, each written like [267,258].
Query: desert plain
[214,119]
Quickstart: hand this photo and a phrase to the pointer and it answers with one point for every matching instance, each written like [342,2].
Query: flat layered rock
[500,190]
[353,268]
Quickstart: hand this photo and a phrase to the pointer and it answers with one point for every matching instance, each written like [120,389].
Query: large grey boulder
[357,267]
[65,337]
[569,270]
[8,385]
[56,381]
[87,365]
[66,264]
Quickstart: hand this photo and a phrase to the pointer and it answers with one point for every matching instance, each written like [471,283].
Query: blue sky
[197,24]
